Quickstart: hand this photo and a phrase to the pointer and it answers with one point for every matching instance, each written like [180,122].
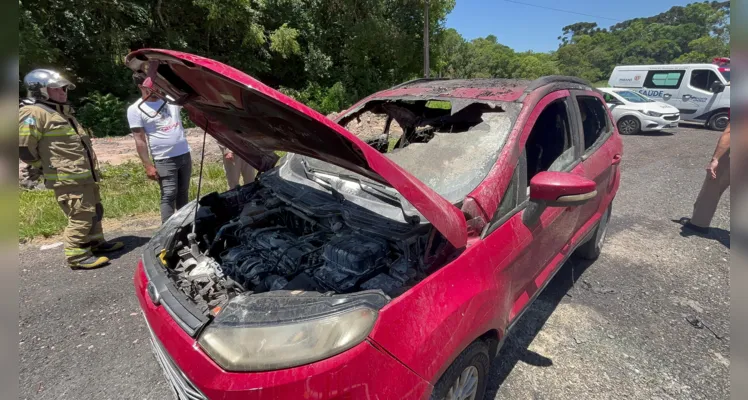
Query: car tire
[592,248]
[469,373]
[629,125]
[718,121]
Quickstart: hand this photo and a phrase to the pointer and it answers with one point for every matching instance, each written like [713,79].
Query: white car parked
[634,112]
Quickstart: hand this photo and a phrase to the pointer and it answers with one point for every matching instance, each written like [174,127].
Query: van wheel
[592,248]
[465,379]
[629,125]
[718,121]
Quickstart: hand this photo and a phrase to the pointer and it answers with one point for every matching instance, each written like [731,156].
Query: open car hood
[254,120]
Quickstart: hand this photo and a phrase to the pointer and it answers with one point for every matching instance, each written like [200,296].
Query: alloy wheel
[466,385]
[628,126]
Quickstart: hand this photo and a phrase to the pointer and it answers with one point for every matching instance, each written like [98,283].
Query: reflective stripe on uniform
[37,164]
[61,177]
[27,130]
[76,252]
[67,131]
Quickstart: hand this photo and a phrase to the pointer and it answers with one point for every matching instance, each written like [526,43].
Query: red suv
[384,267]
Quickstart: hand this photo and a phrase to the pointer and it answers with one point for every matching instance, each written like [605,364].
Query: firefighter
[52,139]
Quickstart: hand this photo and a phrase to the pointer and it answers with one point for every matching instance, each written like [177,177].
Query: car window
[703,78]
[594,119]
[633,96]
[664,79]
[549,146]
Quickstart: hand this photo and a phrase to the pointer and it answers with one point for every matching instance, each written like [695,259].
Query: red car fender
[428,327]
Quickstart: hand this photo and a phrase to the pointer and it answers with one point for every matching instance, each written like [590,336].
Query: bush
[103,115]
[186,121]
[324,100]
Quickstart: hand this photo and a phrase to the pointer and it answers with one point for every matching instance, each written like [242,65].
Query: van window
[703,78]
[664,79]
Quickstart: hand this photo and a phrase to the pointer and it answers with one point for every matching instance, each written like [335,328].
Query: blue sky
[524,27]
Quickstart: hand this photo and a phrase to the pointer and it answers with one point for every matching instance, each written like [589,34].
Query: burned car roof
[479,89]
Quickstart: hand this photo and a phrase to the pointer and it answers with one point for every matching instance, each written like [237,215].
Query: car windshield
[633,96]
[726,74]
[450,150]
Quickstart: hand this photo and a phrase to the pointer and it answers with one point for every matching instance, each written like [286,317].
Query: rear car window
[664,79]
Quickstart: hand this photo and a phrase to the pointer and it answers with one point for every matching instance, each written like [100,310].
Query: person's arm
[135,120]
[141,144]
[227,154]
[722,146]
[28,139]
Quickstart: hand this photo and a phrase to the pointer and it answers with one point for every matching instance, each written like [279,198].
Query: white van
[700,91]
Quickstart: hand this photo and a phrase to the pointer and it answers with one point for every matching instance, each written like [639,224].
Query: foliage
[324,100]
[103,115]
[186,122]
[366,45]
[328,53]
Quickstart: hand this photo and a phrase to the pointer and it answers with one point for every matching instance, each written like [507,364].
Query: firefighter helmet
[38,80]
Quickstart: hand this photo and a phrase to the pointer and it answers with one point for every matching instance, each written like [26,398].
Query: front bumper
[363,372]
[649,123]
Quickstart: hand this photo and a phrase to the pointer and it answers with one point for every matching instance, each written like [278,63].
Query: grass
[125,192]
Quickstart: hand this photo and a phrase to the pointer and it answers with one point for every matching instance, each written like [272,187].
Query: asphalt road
[616,329]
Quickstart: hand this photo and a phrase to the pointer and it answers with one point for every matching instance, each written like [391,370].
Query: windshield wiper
[382,194]
[375,189]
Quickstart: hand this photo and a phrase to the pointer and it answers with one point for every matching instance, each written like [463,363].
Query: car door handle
[686,97]
[616,159]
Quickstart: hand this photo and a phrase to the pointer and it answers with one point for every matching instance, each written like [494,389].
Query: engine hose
[242,221]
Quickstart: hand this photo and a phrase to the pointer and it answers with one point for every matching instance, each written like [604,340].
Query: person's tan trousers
[236,167]
[711,191]
[82,206]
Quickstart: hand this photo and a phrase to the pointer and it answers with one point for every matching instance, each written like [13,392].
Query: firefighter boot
[88,263]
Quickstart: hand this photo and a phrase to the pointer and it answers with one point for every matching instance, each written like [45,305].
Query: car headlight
[654,114]
[236,346]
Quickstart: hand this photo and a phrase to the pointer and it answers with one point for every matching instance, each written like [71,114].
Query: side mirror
[561,189]
[717,87]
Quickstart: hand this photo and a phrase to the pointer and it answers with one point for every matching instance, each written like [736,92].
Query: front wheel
[718,121]
[591,249]
[629,125]
[465,379]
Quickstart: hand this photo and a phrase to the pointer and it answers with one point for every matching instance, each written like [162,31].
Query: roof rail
[554,79]
[410,82]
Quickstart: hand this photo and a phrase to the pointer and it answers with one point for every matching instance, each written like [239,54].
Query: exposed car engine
[275,235]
